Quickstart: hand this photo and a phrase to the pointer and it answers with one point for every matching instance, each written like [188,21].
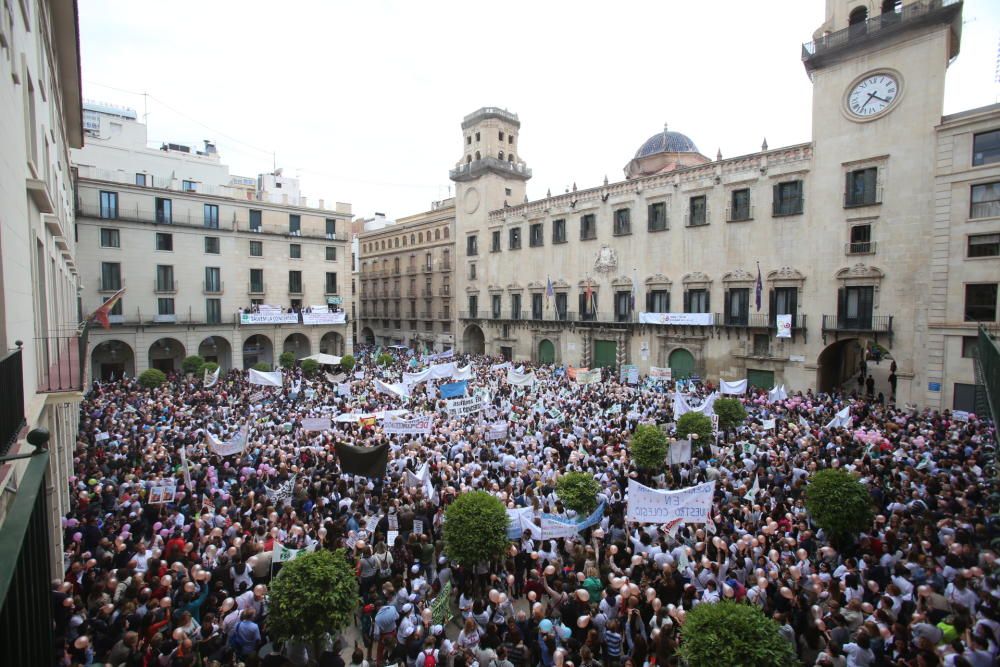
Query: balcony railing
[212,287]
[875,28]
[165,286]
[793,206]
[444,290]
[428,268]
[410,270]
[59,364]
[427,291]
[12,405]
[869,197]
[446,266]
[860,248]
[256,288]
[739,213]
[470,170]
[869,323]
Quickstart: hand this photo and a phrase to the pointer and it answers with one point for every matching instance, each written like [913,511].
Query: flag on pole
[631,298]
[588,300]
[102,313]
[549,292]
[759,288]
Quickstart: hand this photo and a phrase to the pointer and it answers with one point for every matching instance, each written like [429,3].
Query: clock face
[872,95]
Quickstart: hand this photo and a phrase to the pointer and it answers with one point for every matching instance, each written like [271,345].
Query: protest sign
[417,426]
[316,424]
[680,452]
[646,505]
[660,374]
[466,406]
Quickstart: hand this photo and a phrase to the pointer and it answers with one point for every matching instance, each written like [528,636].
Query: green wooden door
[546,352]
[760,379]
[681,364]
[604,354]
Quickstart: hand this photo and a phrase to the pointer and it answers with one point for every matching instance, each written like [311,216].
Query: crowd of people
[185,581]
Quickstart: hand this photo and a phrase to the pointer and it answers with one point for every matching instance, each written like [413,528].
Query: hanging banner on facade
[338,317]
[660,374]
[269,317]
[466,406]
[646,505]
[418,426]
[588,377]
[784,323]
[677,319]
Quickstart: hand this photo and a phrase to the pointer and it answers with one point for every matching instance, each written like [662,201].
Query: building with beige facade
[877,234]
[405,294]
[234,269]
[40,371]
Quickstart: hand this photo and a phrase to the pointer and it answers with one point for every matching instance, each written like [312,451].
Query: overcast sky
[364,100]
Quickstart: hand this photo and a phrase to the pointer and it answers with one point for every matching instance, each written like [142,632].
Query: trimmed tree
[262,366]
[578,492]
[731,413]
[648,447]
[309,367]
[193,364]
[314,595]
[839,504]
[729,633]
[384,359]
[695,423]
[475,528]
[152,378]
[347,362]
[287,360]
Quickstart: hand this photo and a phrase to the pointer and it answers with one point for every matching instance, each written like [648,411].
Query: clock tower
[878,74]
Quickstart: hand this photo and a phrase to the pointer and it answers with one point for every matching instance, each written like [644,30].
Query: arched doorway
[840,364]
[112,359]
[257,349]
[297,344]
[166,354]
[217,349]
[368,336]
[332,343]
[546,352]
[681,364]
[473,340]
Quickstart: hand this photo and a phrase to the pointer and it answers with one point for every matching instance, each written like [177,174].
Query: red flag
[101,314]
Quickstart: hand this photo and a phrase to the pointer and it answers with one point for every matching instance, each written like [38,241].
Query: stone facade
[405,283]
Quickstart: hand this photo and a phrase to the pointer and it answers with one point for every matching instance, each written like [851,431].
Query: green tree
[347,363]
[287,360]
[729,633]
[314,595]
[839,504]
[695,423]
[384,359]
[648,447]
[193,364]
[731,413]
[210,366]
[309,367]
[475,528]
[262,366]
[578,491]
[152,378]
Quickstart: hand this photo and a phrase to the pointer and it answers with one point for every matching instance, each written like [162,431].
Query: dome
[666,142]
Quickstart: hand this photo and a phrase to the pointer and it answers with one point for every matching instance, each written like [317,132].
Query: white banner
[769,424]
[272,379]
[682,407]
[339,317]
[459,407]
[501,367]
[496,431]
[784,323]
[735,387]
[677,319]
[462,373]
[283,492]
[680,452]
[344,389]
[588,377]
[646,505]
[658,373]
[316,424]
[520,379]
[447,354]
[401,389]
[842,419]
[234,445]
[282,553]
[269,318]
[211,378]
[777,394]
[418,426]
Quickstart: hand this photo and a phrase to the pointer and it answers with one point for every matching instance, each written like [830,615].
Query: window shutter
[687,301]
[841,303]
[583,304]
[649,302]
[708,301]
[726,309]
[793,295]
[847,188]
[775,198]
[667,304]
[772,308]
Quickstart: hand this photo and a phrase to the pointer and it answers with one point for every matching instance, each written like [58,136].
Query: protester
[168,558]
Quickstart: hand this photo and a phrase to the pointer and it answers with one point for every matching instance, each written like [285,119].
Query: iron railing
[870,323]
[25,600]
[860,248]
[12,405]
[988,372]
[59,362]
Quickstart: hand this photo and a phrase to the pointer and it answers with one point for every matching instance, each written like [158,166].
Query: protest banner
[265,379]
[234,445]
[660,374]
[496,431]
[646,505]
[441,606]
[677,319]
[269,318]
[735,387]
[466,406]
[588,377]
[339,317]
[283,554]
[316,424]
[453,389]
[679,452]
[418,426]
[520,379]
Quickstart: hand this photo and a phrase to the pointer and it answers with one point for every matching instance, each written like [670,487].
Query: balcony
[783,207]
[427,291]
[295,290]
[428,268]
[395,293]
[471,170]
[863,324]
[256,289]
[444,290]
[212,287]
[831,46]
[444,316]
[739,213]
[165,318]
[870,197]
[860,248]
[446,266]
[12,405]
[411,270]
[395,271]
[165,286]
[110,288]
[59,364]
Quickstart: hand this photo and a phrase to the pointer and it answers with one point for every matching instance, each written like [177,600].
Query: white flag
[211,378]
[283,492]
[272,379]
[841,420]
[752,493]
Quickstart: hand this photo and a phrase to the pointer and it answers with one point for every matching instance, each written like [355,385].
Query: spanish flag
[102,313]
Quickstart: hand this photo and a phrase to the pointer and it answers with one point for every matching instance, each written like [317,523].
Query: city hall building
[883,230]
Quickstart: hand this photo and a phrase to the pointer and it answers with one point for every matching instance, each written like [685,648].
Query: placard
[459,407]
[162,493]
[418,426]
[661,374]
[316,424]
[646,505]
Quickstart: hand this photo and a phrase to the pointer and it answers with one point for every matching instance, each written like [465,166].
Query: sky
[363,101]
